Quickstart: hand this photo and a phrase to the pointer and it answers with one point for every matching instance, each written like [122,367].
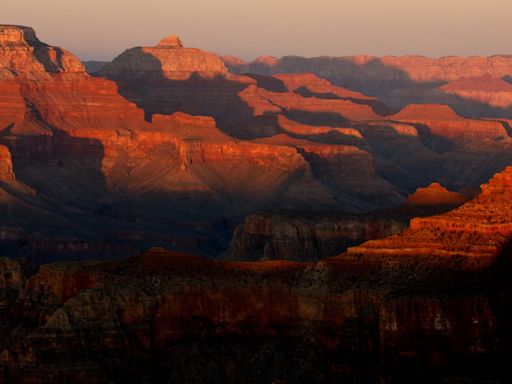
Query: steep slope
[304,236]
[146,318]
[478,230]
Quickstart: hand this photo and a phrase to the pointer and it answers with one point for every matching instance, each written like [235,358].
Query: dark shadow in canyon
[43,55]
[268,83]
[319,119]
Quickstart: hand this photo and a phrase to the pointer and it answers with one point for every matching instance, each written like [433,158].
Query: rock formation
[478,230]
[292,236]
[88,163]
[22,54]
[169,59]
[399,81]
[161,308]
[436,194]
[6,172]
[442,121]
[298,235]
[170,149]
[378,74]
[197,146]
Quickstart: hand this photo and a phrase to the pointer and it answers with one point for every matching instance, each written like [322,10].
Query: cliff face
[168,59]
[298,238]
[479,229]
[359,320]
[400,309]
[198,145]
[22,54]
[432,138]
[297,235]
[6,172]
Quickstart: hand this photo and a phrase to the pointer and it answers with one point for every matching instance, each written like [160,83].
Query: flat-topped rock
[167,60]
[23,54]
[11,35]
[436,194]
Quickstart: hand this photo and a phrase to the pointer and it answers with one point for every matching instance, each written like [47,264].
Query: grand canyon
[179,216]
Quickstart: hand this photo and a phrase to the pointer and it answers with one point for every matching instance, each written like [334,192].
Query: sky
[102,29]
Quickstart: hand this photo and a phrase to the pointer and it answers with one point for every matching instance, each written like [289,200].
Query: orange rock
[442,121]
[478,229]
[436,194]
[22,54]
[6,171]
[363,69]
[168,59]
[487,90]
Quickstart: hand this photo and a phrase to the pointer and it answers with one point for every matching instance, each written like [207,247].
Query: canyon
[374,314]
[177,216]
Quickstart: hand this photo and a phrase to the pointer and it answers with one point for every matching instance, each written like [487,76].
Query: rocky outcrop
[478,230]
[22,54]
[296,237]
[406,305]
[435,194]
[169,59]
[6,171]
[89,164]
[442,121]
[487,90]
[302,236]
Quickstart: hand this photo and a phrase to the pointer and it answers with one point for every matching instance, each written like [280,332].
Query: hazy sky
[101,29]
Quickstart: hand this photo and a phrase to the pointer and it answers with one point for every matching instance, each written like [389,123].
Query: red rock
[436,194]
[22,54]
[477,230]
[172,41]
[442,121]
[292,101]
[487,90]
[168,59]
[6,171]
[400,70]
